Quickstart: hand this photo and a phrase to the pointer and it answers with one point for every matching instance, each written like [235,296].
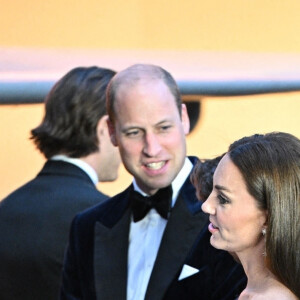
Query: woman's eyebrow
[221,188]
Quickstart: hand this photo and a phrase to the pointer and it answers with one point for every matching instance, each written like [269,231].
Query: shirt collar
[80,164]
[177,182]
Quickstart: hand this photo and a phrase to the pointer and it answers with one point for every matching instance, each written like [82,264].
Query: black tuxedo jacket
[96,261]
[34,229]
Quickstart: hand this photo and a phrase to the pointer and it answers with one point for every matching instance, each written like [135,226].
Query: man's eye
[222,199]
[133,133]
[165,128]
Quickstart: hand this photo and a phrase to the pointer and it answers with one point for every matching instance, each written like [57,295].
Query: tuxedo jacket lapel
[110,259]
[174,250]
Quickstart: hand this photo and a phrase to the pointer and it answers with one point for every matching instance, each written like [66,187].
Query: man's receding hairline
[138,73]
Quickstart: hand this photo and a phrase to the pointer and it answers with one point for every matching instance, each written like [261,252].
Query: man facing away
[125,248]
[35,219]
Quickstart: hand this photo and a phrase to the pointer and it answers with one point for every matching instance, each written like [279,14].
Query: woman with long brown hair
[254,212]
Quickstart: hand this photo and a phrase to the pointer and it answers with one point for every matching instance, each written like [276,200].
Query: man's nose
[152,145]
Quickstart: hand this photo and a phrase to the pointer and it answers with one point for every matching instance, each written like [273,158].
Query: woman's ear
[266,220]
[265,223]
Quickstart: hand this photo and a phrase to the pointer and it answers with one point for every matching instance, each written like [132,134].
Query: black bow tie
[161,201]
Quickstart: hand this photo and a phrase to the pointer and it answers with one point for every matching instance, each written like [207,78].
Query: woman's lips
[212,228]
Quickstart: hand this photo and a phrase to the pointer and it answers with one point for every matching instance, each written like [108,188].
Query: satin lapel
[181,232]
[110,259]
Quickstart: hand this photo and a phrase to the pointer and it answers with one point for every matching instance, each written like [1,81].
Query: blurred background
[237,64]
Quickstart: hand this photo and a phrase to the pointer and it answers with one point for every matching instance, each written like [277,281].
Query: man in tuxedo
[151,240]
[35,219]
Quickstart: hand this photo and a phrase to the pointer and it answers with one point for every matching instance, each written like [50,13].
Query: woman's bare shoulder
[279,292]
[273,292]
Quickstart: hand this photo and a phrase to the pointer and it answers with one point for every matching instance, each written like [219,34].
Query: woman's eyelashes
[222,199]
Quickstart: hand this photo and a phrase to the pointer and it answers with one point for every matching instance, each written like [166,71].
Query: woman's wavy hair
[202,176]
[73,108]
[270,166]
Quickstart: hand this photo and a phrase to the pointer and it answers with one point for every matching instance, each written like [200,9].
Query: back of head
[73,108]
[270,165]
[136,74]
[202,176]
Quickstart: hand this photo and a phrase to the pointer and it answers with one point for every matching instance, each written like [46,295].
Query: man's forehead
[131,82]
[143,84]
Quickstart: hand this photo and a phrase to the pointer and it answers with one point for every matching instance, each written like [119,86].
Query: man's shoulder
[193,159]
[58,191]
[107,211]
[188,193]
[19,193]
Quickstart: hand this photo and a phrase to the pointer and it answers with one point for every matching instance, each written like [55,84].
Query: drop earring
[264,232]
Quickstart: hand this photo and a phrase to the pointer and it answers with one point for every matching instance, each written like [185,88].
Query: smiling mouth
[156,165]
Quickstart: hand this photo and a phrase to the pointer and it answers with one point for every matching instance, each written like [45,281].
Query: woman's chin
[215,242]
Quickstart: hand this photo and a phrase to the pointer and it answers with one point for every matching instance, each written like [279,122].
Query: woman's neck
[259,276]
[262,283]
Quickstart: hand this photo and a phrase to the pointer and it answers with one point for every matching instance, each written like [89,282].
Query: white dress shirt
[80,164]
[144,241]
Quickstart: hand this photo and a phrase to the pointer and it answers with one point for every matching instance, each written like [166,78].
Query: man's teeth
[155,165]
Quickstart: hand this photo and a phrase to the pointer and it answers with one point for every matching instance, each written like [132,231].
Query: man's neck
[177,183]
[80,164]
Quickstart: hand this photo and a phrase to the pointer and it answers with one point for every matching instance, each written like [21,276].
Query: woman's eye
[222,199]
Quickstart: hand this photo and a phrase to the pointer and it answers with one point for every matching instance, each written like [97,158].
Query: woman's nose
[208,205]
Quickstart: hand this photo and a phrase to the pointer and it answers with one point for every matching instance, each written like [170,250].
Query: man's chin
[152,187]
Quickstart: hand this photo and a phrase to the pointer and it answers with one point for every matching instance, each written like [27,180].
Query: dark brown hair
[270,166]
[202,176]
[73,108]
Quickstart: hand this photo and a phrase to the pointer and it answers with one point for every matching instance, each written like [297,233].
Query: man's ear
[185,120]
[102,126]
[112,131]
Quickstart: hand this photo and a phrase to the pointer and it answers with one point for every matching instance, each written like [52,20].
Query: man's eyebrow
[221,188]
[162,122]
[128,128]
